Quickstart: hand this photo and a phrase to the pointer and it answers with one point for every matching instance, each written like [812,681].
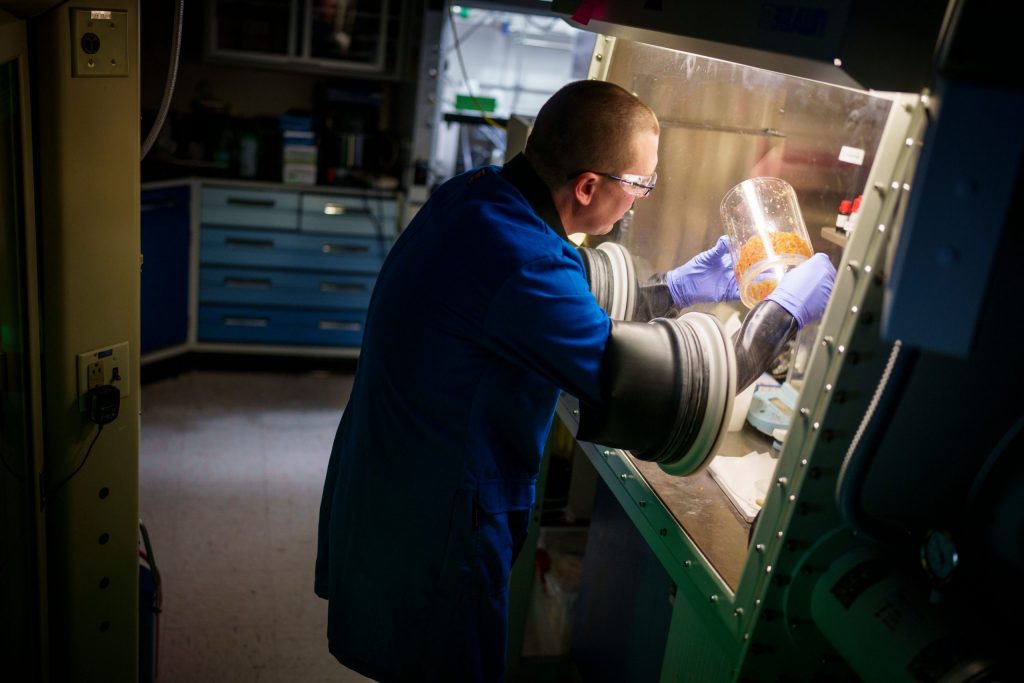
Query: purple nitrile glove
[706,278]
[804,291]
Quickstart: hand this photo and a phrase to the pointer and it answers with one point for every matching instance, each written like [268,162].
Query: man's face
[611,199]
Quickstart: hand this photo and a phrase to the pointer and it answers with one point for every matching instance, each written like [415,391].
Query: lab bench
[244,267]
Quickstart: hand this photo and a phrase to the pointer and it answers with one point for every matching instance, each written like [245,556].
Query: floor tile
[231,470]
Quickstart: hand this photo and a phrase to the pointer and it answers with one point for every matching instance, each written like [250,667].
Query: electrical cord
[465,74]
[172,76]
[65,480]
[865,442]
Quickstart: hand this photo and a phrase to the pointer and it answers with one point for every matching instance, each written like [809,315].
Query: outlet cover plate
[99,42]
[115,363]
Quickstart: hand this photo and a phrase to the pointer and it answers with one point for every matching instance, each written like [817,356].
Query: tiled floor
[231,470]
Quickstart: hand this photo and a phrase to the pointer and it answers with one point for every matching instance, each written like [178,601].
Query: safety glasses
[637,185]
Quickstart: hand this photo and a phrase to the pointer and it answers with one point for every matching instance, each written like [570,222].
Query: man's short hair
[587,126]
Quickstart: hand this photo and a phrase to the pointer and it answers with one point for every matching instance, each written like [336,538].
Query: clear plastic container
[767,234]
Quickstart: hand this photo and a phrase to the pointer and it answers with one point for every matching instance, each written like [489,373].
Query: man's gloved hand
[804,291]
[706,278]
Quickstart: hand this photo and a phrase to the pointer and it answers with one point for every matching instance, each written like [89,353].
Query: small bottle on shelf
[843,216]
[851,223]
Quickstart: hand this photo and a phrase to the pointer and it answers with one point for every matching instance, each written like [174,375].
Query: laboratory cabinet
[274,269]
[361,38]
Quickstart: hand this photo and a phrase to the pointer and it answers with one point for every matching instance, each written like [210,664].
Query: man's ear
[585,187]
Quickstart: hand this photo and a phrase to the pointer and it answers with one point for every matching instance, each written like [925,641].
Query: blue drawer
[279,288]
[249,208]
[272,326]
[369,216]
[293,251]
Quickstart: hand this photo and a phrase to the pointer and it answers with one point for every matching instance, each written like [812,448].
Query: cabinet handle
[156,206]
[339,325]
[246,201]
[243,242]
[237,321]
[342,287]
[248,283]
[329,248]
[334,209]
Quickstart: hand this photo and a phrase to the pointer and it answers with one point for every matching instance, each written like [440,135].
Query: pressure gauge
[939,556]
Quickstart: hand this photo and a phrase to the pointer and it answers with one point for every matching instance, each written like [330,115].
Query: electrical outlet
[94,374]
[107,365]
[99,42]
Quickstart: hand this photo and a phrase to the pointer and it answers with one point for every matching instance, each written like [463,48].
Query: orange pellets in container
[767,235]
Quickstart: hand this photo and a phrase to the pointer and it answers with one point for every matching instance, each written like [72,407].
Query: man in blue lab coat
[480,315]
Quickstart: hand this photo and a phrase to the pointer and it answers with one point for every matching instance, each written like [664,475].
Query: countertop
[703,510]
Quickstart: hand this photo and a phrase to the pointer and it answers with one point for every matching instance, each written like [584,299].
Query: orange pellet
[754,252]
[761,289]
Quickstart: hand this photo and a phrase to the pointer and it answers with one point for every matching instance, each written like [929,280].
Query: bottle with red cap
[843,216]
[854,214]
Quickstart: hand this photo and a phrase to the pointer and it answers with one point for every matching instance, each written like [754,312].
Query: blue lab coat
[480,315]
